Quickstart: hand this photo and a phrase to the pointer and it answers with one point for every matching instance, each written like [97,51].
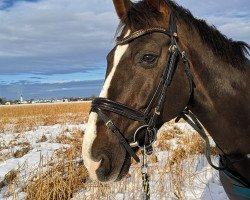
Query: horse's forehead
[118,53]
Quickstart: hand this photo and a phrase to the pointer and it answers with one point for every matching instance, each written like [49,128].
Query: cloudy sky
[57,48]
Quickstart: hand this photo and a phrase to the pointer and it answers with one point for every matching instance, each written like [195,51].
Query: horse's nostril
[105,167]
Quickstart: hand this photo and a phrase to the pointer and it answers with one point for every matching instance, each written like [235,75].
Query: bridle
[150,116]
[155,107]
[149,120]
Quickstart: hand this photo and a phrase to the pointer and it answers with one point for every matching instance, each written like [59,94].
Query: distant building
[21,101]
[7,103]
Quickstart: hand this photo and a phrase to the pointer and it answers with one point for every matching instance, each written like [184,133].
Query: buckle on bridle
[109,123]
[157,112]
[175,35]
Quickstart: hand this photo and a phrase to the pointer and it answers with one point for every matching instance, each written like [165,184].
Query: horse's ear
[158,5]
[121,7]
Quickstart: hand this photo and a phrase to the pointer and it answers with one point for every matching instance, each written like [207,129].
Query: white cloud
[231,17]
[55,34]
[215,7]
[236,28]
[61,36]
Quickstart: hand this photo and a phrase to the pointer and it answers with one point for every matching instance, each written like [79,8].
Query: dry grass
[58,178]
[62,180]
[27,117]
[66,175]
[21,152]
[9,178]
[42,139]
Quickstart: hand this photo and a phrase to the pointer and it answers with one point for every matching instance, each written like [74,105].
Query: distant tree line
[84,99]
[3,100]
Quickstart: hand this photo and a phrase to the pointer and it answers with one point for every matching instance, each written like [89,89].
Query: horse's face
[133,73]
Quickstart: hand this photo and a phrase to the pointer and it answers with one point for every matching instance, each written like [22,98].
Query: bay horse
[166,61]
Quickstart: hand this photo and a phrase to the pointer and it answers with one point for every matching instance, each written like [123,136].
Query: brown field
[67,176]
[27,117]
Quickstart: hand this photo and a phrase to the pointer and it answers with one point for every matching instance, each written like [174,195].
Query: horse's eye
[149,58]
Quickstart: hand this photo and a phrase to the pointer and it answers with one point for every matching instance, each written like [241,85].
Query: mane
[141,15]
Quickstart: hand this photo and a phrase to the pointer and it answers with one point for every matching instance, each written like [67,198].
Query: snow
[198,181]
[39,153]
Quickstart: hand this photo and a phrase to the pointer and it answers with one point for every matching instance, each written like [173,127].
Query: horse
[168,62]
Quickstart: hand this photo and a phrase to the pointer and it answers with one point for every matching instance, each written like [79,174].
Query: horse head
[135,67]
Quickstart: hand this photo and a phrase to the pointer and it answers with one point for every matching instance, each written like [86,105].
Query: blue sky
[57,48]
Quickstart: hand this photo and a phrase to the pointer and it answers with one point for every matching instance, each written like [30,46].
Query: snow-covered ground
[197,179]
[41,147]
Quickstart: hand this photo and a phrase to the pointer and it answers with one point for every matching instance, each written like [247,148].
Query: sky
[58,48]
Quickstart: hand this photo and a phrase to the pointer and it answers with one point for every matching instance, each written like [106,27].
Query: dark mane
[141,15]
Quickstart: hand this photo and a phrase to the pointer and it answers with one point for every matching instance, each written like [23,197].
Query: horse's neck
[221,98]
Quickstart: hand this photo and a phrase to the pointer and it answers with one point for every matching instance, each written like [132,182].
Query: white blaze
[91,129]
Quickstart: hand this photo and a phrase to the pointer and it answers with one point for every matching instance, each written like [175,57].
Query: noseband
[148,118]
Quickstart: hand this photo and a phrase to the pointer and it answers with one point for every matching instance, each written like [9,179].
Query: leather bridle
[148,118]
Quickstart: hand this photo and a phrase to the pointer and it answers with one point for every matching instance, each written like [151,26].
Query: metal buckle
[109,123]
[172,48]
[157,113]
[183,54]
[148,133]
[134,144]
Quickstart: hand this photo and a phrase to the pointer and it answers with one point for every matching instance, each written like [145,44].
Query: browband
[139,33]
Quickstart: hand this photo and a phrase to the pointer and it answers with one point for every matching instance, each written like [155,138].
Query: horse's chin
[125,168]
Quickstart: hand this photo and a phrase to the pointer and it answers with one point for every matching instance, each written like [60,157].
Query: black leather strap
[159,87]
[142,32]
[167,79]
[118,134]
[118,108]
[192,120]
